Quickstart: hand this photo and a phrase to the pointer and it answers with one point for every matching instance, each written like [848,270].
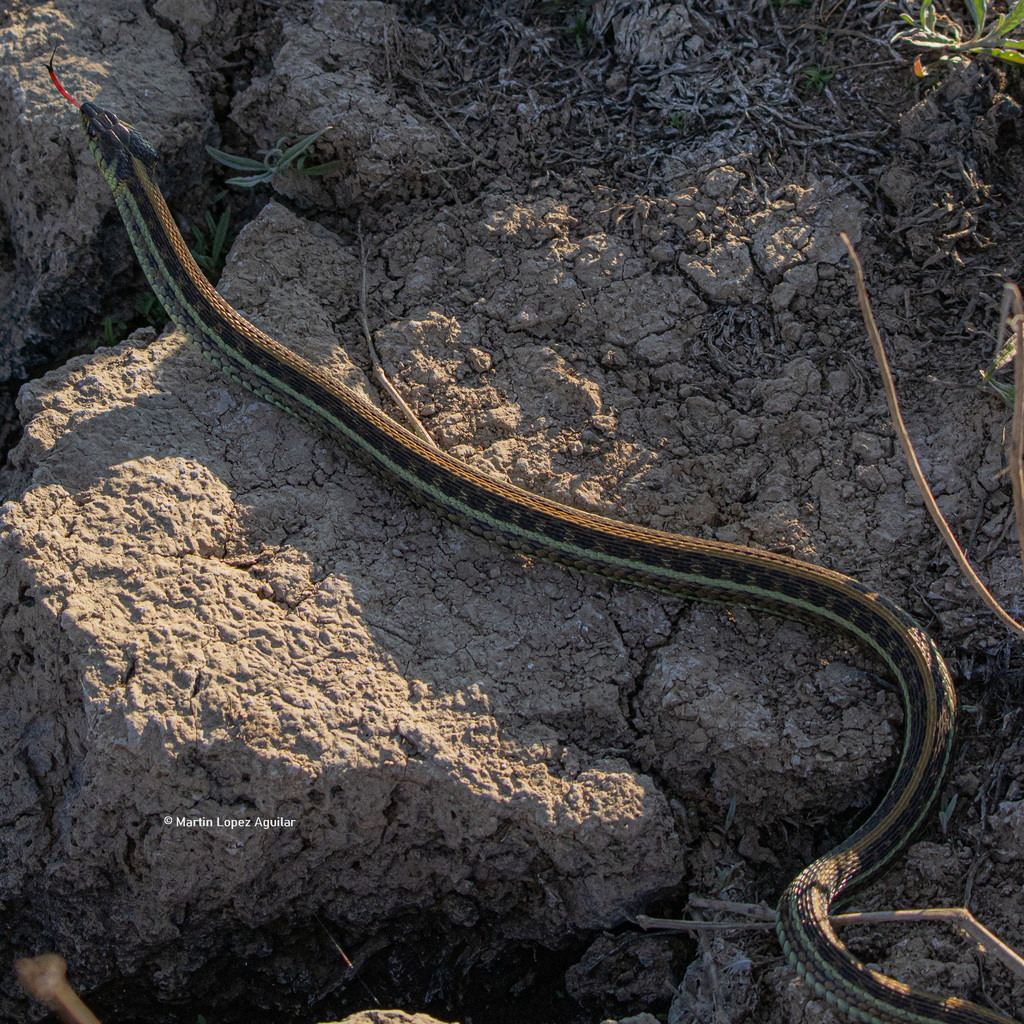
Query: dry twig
[1015,325]
[45,978]
[378,369]
[959,916]
[908,449]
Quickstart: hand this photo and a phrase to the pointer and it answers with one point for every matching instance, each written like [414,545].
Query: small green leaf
[112,331]
[238,163]
[293,151]
[1004,391]
[327,168]
[1000,359]
[977,9]
[1010,55]
[1013,19]
[252,182]
[946,812]
[730,814]
[220,234]
[275,161]
[149,306]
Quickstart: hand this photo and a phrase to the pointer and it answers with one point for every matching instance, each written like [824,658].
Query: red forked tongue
[56,82]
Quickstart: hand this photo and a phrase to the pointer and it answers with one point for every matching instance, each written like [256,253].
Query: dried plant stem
[1015,325]
[908,450]
[959,916]
[378,369]
[45,978]
[668,924]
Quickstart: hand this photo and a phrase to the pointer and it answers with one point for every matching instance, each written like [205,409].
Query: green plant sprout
[817,76]
[730,814]
[1004,391]
[275,161]
[1011,338]
[939,32]
[579,31]
[946,812]
[113,332]
[149,307]
[210,252]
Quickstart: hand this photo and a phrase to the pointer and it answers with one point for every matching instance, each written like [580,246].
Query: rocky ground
[601,258]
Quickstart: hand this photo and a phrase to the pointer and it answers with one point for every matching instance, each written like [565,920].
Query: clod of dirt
[388,1017]
[627,968]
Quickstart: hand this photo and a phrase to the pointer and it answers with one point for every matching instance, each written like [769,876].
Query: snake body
[686,566]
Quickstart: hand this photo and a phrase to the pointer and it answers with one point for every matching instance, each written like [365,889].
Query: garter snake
[535,526]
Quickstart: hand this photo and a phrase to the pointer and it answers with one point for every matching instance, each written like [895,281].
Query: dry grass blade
[908,449]
[378,368]
[1015,325]
[45,978]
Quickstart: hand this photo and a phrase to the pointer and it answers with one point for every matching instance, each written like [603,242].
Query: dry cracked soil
[276,745]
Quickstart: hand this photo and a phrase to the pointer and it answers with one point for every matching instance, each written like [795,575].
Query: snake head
[114,143]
